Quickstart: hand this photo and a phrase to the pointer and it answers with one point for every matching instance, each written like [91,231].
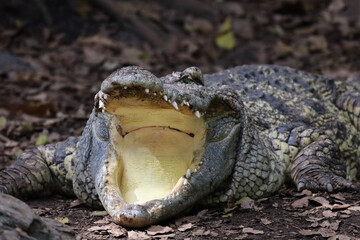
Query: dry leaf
[338,206]
[338,196]
[99,213]
[115,230]
[301,203]
[185,227]
[225,38]
[75,203]
[198,232]
[227,215]
[63,220]
[246,203]
[137,235]
[326,232]
[265,221]
[329,214]
[102,221]
[157,229]
[306,232]
[333,225]
[354,208]
[322,201]
[340,237]
[252,231]
[41,140]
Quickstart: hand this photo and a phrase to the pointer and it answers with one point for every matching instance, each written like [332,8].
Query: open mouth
[158,146]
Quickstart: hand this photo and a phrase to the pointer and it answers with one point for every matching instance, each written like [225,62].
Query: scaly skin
[264,125]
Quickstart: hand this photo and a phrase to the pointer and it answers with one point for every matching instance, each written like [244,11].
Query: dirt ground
[54,58]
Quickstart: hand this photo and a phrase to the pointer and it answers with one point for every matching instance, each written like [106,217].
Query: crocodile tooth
[188,173]
[173,195]
[105,96]
[187,103]
[165,98]
[177,194]
[125,87]
[197,114]
[154,93]
[175,105]
[101,104]
[147,90]
[185,182]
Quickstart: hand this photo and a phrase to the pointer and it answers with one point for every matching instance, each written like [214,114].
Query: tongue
[153,160]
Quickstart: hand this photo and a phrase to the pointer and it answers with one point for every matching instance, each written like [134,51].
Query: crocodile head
[171,142]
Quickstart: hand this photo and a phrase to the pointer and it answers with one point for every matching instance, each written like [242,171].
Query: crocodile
[153,147]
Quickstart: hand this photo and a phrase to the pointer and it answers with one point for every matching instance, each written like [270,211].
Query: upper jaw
[135,80]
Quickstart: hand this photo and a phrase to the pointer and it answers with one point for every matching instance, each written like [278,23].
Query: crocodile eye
[192,75]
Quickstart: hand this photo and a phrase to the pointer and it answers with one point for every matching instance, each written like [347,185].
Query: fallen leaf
[102,221]
[301,203]
[41,97]
[225,38]
[25,128]
[339,206]
[317,44]
[95,228]
[339,237]
[165,236]
[329,214]
[338,196]
[198,232]
[354,208]
[75,203]
[326,232]
[41,140]
[306,232]
[265,221]
[99,213]
[116,230]
[63,220]
[322,201]
[252,231]
[227,215]
[331,225]
[3,122]
[137,235]
[157,229]
[229,209]
[185,227]
[202,213]
[242,236]
[246,203]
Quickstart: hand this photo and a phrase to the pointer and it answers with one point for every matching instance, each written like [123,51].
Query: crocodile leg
[312,158]
[41,170]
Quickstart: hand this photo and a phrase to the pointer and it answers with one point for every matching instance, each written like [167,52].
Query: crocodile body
[153,147]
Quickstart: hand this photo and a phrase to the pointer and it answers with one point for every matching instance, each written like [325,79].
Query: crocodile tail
[41,171]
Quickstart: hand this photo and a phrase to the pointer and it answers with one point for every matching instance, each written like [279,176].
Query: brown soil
[54,58]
